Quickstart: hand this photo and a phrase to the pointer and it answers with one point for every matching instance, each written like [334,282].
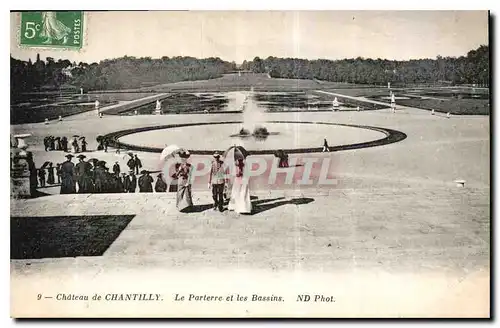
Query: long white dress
[184,194]
[240,194]
[52,27]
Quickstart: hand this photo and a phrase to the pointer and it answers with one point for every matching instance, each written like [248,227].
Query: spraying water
[253,114]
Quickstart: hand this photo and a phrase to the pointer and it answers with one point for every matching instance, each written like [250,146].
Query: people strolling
[184,173]
[216,182]
[240,192]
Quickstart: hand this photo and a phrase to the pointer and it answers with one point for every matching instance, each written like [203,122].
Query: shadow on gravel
[64,236]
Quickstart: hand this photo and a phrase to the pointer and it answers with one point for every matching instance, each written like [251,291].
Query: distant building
[67,71]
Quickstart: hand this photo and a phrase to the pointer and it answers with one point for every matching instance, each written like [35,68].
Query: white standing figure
[158,105]
[81,91]
[60,118]
[52,28]
[97,109]
[358,109]
[393,102]
[135,112]
[448,115]
[335,104]
[46,121]
[432,112]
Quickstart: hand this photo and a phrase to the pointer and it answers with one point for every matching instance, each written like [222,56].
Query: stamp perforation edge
[82,49]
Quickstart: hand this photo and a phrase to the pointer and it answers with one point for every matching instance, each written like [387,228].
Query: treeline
[121,73]
[470,69]
[130,72]
[28,76]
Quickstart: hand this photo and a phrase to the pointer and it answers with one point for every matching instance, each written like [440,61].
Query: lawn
[21,115]
[454,106]
[458,101]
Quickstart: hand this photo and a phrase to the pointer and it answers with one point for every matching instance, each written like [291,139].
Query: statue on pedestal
[158,107]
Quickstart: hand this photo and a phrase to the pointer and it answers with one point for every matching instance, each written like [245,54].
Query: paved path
[400,230]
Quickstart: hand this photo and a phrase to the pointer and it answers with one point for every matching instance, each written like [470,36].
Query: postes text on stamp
[54,29]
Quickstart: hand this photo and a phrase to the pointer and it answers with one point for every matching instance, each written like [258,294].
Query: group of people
[283,158]
[238,192]
[63,144]
[47,173]
[94,176]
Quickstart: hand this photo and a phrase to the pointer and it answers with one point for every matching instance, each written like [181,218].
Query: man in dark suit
[68,185]
[116,169]
[137,164]
[132,182]
[83,175]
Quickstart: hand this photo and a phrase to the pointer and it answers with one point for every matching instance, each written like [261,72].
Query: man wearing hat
[131,182]
[145,182]
[131,162]
[216,181]
[184,202]
[83,175]
[137,164]
[116,169]
[68,185]
[101,184]
[124,182]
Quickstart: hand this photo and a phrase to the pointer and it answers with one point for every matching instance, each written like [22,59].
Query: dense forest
[470,69]
[131,72]
[121,73]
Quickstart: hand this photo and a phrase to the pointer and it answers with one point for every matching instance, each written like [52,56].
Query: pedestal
[20,186]
[22,169]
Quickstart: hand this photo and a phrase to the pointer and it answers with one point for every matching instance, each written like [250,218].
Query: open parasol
[44,166]
[167,156]
[81,138]
[235,153]
[169,152]
[75,136]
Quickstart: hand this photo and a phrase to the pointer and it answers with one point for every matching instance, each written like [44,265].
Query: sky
[242,35]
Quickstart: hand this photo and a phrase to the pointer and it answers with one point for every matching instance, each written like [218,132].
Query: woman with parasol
[184,172]
[100,140]
[170,155]
[84,144]
[240,192]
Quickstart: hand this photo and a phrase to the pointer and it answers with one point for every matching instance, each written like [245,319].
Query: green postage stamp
[55,29]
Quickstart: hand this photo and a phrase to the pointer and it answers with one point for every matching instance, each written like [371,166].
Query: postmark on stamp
[53,29]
